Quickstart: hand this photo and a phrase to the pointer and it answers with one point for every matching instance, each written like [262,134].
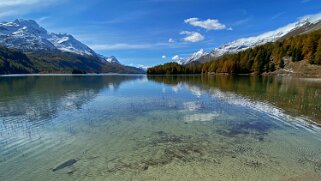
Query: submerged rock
[64,165]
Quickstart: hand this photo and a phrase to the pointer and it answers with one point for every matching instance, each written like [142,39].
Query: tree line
[260,59]
[13,61]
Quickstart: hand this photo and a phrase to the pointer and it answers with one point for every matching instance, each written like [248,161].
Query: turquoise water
[121,127]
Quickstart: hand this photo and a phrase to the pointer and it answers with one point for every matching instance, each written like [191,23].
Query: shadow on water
[294,95]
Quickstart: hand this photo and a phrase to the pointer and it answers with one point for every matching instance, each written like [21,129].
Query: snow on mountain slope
[272,36]
[112,59]
[178,59]
[195,56]
[27,35]
[21,27]
[68,43]
[24,35]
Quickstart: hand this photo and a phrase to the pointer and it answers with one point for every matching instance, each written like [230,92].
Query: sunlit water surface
[121,127]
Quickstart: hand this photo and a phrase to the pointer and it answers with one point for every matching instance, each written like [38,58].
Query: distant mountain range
[51,52]
[304,25]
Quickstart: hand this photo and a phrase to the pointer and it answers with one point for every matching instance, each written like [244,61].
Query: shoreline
[59,74]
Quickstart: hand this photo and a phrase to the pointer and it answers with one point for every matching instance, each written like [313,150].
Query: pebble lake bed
[137,127]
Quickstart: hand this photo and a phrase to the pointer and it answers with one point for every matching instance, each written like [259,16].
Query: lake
[137,127]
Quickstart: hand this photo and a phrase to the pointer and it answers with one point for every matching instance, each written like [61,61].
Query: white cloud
[42,19]
[171,40]
[6,3]
[10,8]
[192,36]
[278,15]
[164,57]
[129,16]
[126,46]
[209,24]
[145,67]
[141,66]
[8,13]
[229,29]
[118,46]
[241,21]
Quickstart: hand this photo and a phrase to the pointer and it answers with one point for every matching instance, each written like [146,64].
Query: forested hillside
[15,62]
[261,59]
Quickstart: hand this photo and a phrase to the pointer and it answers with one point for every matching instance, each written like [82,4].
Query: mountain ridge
[28,35]
[297,53]
[195,56]
[46,52]
[303,25]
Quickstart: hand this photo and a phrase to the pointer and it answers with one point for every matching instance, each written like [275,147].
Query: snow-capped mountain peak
[178,59]
[304,24]
[245,43]
[27,35]
[112,59]
[195,56]
[20,27]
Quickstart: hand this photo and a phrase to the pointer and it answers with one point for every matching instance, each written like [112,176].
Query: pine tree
[296,55]
[318,54]
[310,46]
[260,59]
[281,65]
[272,67]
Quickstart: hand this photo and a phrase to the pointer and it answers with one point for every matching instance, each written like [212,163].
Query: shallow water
[121,127]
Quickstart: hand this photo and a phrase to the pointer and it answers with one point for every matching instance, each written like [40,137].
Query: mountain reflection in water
[297,96]
[137,127]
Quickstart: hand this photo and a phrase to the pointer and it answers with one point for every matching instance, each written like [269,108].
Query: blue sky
[138,32]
